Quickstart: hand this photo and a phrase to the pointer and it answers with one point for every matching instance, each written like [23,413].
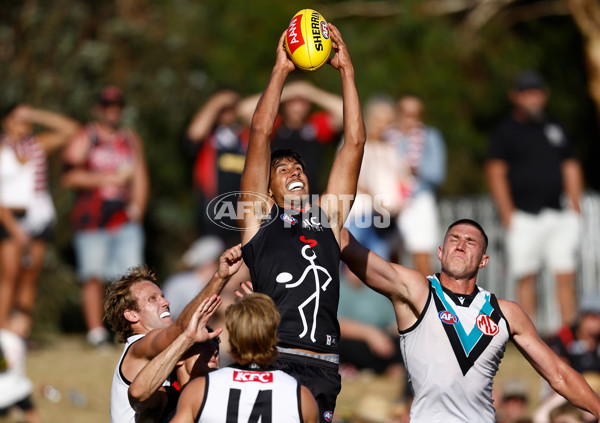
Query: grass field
[83,376]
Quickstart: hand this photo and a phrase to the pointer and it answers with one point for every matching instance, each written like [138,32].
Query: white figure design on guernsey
[285,277]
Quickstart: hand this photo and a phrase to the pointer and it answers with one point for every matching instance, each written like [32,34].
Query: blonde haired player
[249,390]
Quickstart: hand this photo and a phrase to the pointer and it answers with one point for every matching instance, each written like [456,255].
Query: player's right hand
[283,61]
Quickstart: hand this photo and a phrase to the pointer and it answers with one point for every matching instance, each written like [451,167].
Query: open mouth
[295,186]
[165,314]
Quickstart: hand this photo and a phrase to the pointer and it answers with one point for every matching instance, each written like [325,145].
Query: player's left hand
[341,59]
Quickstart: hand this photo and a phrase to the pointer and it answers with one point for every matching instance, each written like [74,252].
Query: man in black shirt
[530,166]
[291,243]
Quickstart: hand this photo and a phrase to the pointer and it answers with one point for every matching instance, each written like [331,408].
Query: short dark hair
[285,154]
[475,225]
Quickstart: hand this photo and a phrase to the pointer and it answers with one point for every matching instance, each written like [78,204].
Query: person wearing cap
[530,167]
[105,164]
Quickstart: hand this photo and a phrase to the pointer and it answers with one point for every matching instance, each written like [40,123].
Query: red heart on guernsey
[310,242]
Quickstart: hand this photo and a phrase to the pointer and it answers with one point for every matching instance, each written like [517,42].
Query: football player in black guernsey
[290,241]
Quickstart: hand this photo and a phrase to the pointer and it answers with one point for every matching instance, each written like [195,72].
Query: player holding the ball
[292,246]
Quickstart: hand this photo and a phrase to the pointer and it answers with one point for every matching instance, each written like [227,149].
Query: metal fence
[495,278]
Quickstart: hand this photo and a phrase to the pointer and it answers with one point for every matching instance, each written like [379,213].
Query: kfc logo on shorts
[262,377]
[447,317]
[486,325]
[328,415]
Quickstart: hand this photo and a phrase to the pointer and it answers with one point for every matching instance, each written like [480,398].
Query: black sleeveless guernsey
[294,258]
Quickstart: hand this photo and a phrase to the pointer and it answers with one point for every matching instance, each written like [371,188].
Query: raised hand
[196,329]
[230,262]
[245,289]
[341,59]
[283,59]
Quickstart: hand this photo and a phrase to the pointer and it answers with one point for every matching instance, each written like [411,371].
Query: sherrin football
[307,40]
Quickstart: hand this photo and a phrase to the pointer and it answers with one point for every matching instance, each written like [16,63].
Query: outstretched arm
[341,187]
[143,392]
[255,177]
[403,286]
[561,377]
[229,263]
[157,340]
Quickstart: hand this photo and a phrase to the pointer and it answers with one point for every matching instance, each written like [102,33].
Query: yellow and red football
[308,41]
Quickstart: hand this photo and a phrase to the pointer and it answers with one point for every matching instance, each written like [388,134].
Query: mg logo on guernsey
[486,325]
[261,377]
[448,317]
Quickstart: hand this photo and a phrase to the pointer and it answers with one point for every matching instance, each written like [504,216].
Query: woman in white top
[26,209]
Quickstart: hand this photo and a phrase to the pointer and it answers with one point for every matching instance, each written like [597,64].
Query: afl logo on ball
[486,325]
[324,30]
[448,317]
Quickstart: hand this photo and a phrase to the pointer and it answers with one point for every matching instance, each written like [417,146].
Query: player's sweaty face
[153,307]
[463,251]
[288,181]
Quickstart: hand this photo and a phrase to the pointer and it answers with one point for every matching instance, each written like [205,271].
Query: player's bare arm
[229,264]
[255,178]
[190,401]
[406,288]
[343,178]
[561,377]
[157,340]
[144,392]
